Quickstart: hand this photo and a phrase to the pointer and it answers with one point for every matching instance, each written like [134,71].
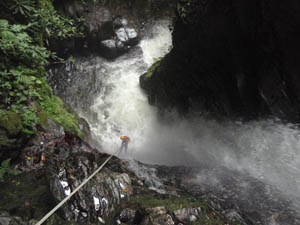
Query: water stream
[108,95]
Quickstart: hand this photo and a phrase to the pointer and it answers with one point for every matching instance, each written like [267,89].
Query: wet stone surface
[239,196]
[99,198]
[129,192]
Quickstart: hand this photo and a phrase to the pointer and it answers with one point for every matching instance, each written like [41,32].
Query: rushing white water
[122,108]
[266,150]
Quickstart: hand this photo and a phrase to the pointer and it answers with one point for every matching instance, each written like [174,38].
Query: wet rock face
[55,166]
[101,30]
[111,28]
[123,192]
[5,219]
[158,215]
[233,58]
[70,81]
[239,196]
[99,198]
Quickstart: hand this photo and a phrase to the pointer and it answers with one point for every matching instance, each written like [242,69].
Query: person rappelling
[125,141]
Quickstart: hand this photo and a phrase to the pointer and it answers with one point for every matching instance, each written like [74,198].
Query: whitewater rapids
[266,150]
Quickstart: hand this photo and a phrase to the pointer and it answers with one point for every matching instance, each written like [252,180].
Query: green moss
[25,195]
[173,203]
[43,105]
[213,221]
[11,122]
[43,118]
[170,202]
[54,109]
[150,71]
[46,4]
[56,220]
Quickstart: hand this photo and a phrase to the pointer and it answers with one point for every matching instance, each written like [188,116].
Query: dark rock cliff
[232,58]
[110,27]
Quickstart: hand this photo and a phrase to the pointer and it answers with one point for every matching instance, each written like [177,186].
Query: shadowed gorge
[232,58]
[206,91]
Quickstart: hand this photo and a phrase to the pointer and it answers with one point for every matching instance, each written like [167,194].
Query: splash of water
[123,108]
[266,150]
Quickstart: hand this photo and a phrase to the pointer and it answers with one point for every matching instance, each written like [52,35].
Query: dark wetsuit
[124,144]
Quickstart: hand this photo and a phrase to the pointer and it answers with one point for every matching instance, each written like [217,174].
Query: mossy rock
[170,202]
[43,118]
[26,195]
[146,78]
[56,220]
[56,110]
[11,123]
[151,70]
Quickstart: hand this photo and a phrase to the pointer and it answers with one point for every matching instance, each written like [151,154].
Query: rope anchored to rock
[72,193]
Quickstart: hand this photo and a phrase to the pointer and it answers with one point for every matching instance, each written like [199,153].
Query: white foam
[122,108]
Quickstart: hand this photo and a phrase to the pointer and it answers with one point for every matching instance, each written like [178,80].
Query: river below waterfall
[255,163]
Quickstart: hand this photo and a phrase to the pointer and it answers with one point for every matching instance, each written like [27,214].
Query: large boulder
[232,58]
[97,200]
[110,27]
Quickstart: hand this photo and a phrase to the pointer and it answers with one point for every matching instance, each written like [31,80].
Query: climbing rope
[73,192]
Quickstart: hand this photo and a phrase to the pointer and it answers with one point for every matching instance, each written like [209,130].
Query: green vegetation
[25,31]
[170,202]
[26,100]
[173,203]
[19,194]
[4,168]
[54,108]
[10,122]
[213,221]
[150,71]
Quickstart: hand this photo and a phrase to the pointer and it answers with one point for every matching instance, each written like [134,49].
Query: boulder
[233,215]
[132,36]
[128,36]
[112,48]
[127,215]
[85,128]
[95,199]
[158,215]
[122,35]
[189,214]
[103,21]
[120,22]
[6,219]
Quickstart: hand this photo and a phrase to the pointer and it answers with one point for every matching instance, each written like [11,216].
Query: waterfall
[122,108]
[266,150]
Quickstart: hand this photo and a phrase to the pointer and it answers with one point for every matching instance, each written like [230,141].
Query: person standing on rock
[125,141]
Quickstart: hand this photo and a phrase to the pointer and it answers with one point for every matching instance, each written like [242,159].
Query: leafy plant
[52,25]
[4,168]
[23,7]
[17,47]
[23,58]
